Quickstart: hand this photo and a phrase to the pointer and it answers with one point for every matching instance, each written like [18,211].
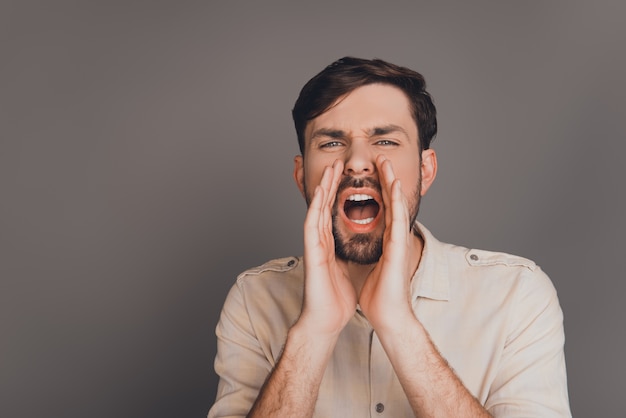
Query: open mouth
[361,209]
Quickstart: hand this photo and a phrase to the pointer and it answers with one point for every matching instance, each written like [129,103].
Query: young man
[378,317]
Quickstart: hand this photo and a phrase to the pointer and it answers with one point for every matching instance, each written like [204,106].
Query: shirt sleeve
[240,363]
[532,381]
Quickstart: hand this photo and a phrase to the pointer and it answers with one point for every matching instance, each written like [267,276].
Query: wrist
[305,333]
[396,333]
[395,321]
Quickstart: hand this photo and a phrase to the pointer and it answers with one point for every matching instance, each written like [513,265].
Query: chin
[361,249]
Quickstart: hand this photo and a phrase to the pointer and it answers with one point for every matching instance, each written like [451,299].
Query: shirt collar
[431,279]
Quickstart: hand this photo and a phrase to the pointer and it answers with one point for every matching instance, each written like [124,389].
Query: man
[378,317]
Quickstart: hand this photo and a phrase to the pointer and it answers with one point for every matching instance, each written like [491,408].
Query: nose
[360,160]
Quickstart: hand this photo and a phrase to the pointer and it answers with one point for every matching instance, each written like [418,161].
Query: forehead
[367,107]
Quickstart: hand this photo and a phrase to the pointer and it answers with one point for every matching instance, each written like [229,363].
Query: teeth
[359,197]
[362,221]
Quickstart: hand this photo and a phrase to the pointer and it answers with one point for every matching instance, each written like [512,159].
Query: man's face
[371,120]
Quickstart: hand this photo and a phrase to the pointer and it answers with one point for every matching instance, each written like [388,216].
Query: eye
[331,144]
[386,142]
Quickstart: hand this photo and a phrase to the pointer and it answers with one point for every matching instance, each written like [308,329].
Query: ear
[429,169]
[298,173]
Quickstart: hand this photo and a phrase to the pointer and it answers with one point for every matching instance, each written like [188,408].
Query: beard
[365,248]
[360,248]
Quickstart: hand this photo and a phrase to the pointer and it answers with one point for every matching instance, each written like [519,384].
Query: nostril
[360,170]
[357,164]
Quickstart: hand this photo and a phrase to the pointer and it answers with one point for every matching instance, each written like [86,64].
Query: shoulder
[508,270]
[259,309]
[507,282]
[482,258]
[469,257]
[268,297]
[276,285]
[483,269]
[272,267]
[279,273]
[521,273]
[472,260]
[508,286]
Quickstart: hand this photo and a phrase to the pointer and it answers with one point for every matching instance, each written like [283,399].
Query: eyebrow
[372,132]
[331,133]
[385,130]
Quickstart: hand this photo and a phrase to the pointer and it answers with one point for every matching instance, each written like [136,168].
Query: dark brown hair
[349,73]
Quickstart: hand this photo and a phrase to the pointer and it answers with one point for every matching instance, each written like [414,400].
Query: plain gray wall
[146,155]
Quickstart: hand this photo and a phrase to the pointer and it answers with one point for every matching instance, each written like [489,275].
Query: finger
[386,176]
[385,172]
[337,171]
[325,182]
[313,215]
[400,213]
[396,205]
[331,185]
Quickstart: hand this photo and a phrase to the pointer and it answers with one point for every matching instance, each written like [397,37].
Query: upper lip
[358,197]
[359,194]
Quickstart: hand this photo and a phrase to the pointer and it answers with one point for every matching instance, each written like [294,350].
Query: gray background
[146,156]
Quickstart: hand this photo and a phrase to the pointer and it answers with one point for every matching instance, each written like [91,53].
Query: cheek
[313,170]
[312,179]
[410,180]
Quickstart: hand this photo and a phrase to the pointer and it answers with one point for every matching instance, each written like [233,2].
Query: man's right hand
[329,297]
[329,303]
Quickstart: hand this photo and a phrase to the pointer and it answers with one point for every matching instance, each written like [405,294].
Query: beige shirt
[495,318]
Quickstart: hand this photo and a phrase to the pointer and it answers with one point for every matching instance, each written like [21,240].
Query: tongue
[362,212]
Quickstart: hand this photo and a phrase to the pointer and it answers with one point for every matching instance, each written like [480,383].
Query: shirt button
[474,257]
[290,263]
[380,408]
